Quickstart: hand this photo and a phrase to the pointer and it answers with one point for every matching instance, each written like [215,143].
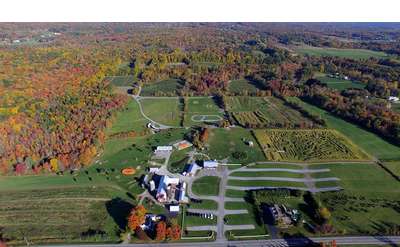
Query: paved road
[295,242]
[236,211]
[301,180]
[233,199]
[202,228]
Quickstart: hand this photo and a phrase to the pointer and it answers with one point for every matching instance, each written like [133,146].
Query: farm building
[192,169]
[173,210]
[153,169]
[210,164]
[164,149]
[166,188]
[182,194]
[393,98]
[182,145]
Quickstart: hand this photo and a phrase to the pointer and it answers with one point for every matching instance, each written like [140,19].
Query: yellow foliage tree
[54,164]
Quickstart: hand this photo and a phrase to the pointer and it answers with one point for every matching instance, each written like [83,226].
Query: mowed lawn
[368,141]
[198,106]
[128,119]
[163,110]
[367,179]
[168,87]
[207,186]
[223,143]
[334,52]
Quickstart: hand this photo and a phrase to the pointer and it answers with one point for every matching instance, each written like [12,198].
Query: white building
[164,149]
[153,169]
[393,98]
[210,164]
[174,208]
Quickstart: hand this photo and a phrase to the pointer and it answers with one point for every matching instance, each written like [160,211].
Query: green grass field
[370,200]
[394,167]
[340,84]
[364,179]
[76,214]
[223,143]
[163,110]
[201,106]
[208,186]
[242,87]
[128,119]
[204,204]
[368,141]
[333,52]
[168,87]
[238,219]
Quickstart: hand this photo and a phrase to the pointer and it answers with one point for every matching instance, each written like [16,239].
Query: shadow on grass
[119,210]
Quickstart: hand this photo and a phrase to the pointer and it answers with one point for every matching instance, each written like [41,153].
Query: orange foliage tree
[161,231]
[136,217]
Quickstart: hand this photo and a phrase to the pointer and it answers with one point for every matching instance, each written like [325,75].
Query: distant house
[210,164]
[166,188]
[150,221]
[393,98]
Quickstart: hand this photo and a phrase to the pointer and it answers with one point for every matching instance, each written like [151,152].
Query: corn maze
[307,145]
[250,118]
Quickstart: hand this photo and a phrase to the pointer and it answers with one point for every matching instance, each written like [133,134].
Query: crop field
[245,103]
[169,87]
[121,81]
[163,110]
[340,84]
[51,216]
[368,141]
[201,109]
[242,87]
[307,145]
[267,111]
[334,52]
[227,143]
